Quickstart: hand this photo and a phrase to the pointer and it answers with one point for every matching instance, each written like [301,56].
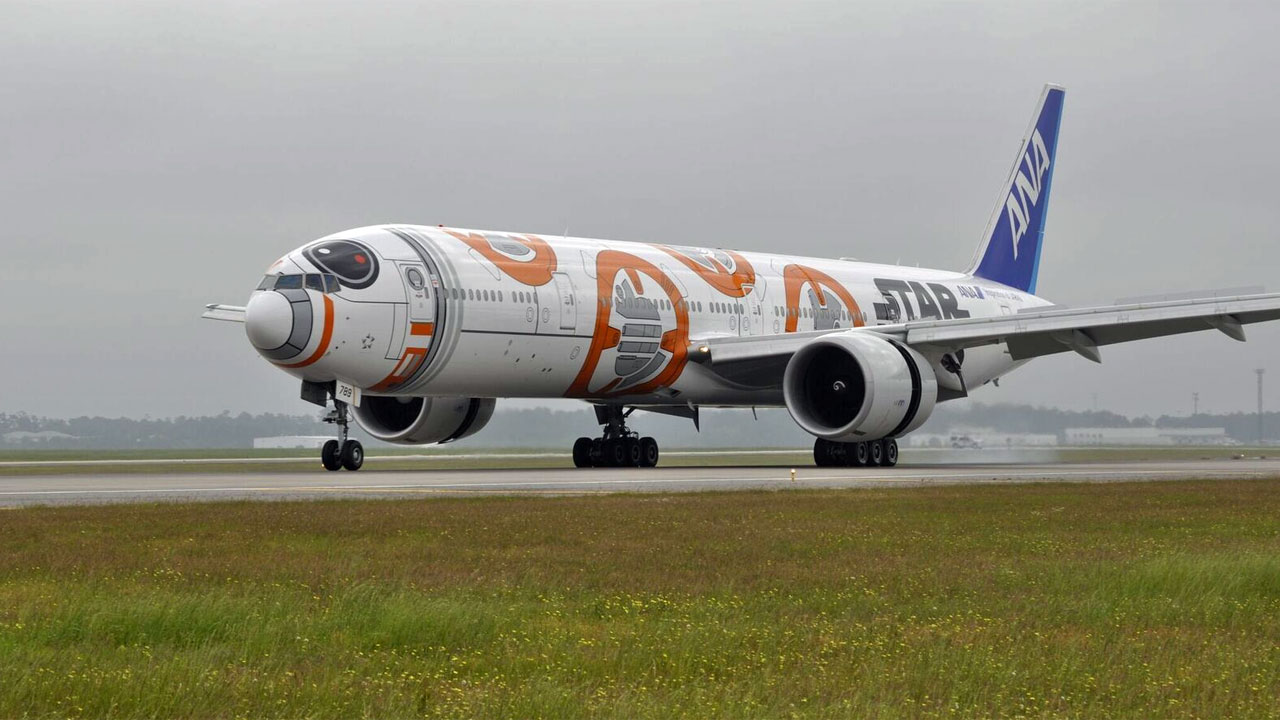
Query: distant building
[24,437]
[306,442]
[1146,436]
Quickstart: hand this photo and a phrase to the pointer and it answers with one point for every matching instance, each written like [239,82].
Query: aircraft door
[567,301]
[751,322]
[419,292]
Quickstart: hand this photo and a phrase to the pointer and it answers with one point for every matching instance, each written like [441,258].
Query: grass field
[1090,601]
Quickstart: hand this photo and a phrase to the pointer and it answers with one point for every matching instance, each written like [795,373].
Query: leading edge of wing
[759,361]
[1044,332]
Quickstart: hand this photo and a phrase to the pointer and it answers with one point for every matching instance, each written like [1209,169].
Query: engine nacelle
[423,420]
[857,386]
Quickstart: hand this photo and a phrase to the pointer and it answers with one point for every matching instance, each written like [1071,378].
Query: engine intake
[423,420]
[858,386]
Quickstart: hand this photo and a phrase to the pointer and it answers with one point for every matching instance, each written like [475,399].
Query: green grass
[1118,600]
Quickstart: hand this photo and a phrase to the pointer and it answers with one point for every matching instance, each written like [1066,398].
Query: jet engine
[423,420]
[858,386]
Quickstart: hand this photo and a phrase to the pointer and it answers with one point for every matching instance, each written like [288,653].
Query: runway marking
[516,486]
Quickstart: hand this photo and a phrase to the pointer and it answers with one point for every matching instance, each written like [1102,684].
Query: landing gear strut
[341,453]
[618,446]
[873,453]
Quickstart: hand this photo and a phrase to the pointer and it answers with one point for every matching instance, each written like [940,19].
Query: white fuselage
[446,312]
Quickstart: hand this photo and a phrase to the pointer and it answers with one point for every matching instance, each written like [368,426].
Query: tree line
[553,428]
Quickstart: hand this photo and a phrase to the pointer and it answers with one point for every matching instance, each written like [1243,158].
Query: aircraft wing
[760,361]
[230,313]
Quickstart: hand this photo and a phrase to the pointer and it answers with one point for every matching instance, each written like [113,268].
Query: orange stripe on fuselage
[325,337]
[735,283]
[536,271]
[421,328]
[795,276]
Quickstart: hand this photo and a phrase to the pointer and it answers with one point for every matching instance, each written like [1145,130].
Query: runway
[19,490]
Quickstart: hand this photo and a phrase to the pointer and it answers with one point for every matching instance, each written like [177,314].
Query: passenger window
[314,282]
[289,282]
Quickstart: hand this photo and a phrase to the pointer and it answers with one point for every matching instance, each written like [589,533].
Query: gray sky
[157,156]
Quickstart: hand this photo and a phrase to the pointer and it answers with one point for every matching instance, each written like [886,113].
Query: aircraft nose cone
[268,320]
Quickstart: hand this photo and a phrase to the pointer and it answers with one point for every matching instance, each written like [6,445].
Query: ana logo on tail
[1026,191]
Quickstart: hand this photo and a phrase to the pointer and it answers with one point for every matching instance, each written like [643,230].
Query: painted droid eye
[354,264]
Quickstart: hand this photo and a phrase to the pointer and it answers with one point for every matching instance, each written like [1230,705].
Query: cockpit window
[320,282]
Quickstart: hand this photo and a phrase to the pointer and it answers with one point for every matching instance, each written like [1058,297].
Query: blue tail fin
[1010,250]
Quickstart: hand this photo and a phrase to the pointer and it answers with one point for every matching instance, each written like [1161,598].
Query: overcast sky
[158,156]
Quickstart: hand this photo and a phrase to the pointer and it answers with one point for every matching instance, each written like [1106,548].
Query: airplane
[415,331]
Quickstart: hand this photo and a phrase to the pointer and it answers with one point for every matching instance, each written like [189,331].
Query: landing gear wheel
[821,453]
[582,452]
[352,455]
[615,453]
[839,453]
[617,446]
[859,454]
[329,456]
[877,452]
[890,452]
[631,451]
[648,452]
[341,453]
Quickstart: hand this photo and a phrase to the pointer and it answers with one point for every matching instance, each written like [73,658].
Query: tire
[352,455]
[631,448]
[648,452]
[597,453]
[859,455]
[615,453]
[839,453]
[329,456]
[890,452]
[821,453]
[582,452]
[877,452]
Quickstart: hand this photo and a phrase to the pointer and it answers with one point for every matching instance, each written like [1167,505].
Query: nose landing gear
[343,452]
[618,446]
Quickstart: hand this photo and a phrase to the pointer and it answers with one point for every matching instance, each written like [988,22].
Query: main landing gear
[341,453]
[618,446]
[882,453]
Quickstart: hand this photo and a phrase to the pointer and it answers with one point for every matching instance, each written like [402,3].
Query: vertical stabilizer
[1011,245]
